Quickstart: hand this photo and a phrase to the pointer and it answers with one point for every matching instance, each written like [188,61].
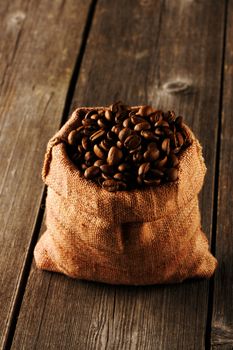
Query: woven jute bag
[138,237]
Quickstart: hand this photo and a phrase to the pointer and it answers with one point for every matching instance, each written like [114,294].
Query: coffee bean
[132,141]
[108,115]
[107,169]
[124,133]
[91,172]
[99,162]
[97,135]
[99,152]
[102,123]
[73,137]
[151,155]
[172,174]
[142,126]
[112,185]
[127,123]
[123,167]
[166,146]
[143,169]
[114,156]
[121,148]
[148,135]
[180,139]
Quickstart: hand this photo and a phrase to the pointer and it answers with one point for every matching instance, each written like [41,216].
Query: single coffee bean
[161,162]
[136,119]
[145,111]
[132,141]
[102,123]
[156,173]
[95,117]
[134,150]
[123,167]
[108,115]
[90,113]
[166,146]
[124,133]
[80,149]
[116,129]
[84,166]
[111,185]
[143,169]
[88,155]
[89,122]
[120,144]
[179,122]
[152,181]
[99,162]
[105,145]
[162,123]
[180,139]
[99,152]
[142,126]
[97,135]
[127,123]
[85,142]
[152,145]
[73,137]
[148,135]
[114,156]
[159,132]
[137,157]
[107,169]
[174,160]
[119,176]
[91,172]
[172,174]
[151,155]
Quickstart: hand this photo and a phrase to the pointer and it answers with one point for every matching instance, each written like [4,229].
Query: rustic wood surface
[222,321]
[170,54]
[38,54]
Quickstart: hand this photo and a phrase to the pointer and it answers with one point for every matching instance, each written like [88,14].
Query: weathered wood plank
[39,42]
[162,53]
[222,320]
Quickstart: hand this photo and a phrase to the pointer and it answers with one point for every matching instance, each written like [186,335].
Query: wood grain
[167,54]
[222,321]
[39,45]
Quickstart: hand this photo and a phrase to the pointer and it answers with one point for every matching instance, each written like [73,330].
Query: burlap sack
[137,237]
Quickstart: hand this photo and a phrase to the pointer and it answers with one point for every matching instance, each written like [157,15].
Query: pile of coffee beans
[121,148]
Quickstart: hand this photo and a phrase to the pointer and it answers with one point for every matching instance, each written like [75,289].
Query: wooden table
[55,55]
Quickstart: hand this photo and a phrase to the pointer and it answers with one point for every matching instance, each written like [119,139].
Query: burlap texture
[144,236]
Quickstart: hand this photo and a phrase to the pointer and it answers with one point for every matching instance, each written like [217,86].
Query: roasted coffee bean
[132,141]
[136,119]
[120,144]
[119,176]
[91,172]
[108,115]
[91,113]
[73,137]
[105,145]
[99,162]
[172,174]
[113,185]
[173,160]
[151,155]
[124,133]
[129,147]
[97,135]
[143,169]
[116,129]
[99,152]
[142,126]
[180,139]
[102,123]
[179,121]
[166,146]
[148,135]
[127,123]
[114,156]
[123,167]
[107,169]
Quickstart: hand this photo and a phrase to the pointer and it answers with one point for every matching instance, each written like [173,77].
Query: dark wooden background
[59,54]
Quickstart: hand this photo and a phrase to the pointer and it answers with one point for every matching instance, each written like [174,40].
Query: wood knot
[177,86]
